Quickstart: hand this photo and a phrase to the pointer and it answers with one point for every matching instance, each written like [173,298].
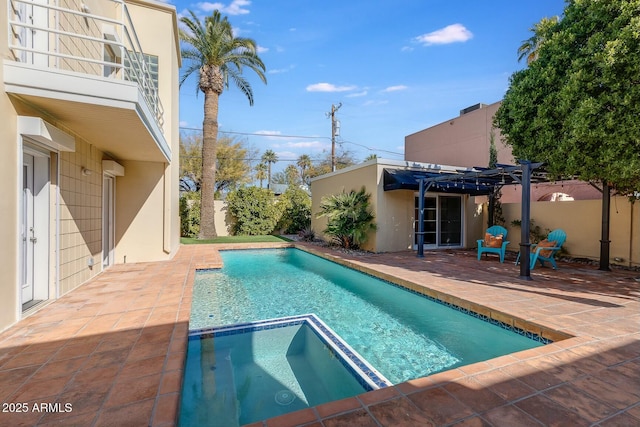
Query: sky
[395,66]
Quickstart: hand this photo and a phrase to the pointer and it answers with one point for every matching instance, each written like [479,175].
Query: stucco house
[89,143]
[455,218]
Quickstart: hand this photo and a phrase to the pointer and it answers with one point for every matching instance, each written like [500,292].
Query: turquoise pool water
[403,335]
[242,374]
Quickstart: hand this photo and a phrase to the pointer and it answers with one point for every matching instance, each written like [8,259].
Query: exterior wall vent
[472,108]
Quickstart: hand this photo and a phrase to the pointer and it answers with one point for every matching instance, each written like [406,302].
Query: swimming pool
[402,334]
[240,374]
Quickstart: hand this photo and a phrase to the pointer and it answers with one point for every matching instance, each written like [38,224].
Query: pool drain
[285,397]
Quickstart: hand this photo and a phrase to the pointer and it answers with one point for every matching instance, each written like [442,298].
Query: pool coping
[369,377]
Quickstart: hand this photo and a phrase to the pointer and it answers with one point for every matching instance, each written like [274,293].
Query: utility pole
[334,133]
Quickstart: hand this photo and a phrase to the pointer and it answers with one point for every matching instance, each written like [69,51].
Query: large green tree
[576,107]
[344,158]
[233,168]
[211,51]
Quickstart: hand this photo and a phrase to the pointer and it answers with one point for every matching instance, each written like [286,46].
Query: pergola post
[421,191]
[525,216]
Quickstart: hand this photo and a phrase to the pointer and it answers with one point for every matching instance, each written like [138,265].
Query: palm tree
[261,172]
[292,175]
[268,158]
[349,217]
[304,163]
[541,31]
[217,56]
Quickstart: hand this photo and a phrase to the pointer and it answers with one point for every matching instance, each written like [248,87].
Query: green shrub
[296,210]
[349,217]
[254,210]
[190,214]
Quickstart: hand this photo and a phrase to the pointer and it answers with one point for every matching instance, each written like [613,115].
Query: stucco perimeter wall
[351,178]
[582,220]
[223,220]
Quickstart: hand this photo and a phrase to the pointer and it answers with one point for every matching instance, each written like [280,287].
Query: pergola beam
[491,178]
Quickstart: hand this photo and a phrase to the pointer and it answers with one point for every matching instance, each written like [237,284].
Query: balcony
[82,63]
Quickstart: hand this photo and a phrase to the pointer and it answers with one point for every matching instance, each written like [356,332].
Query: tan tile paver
[114,348]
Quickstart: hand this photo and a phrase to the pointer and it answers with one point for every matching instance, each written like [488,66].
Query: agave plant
[349,217]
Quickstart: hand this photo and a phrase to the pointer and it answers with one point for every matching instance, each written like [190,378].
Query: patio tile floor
[112,351]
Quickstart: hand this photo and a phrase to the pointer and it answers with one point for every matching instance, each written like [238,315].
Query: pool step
[225,401]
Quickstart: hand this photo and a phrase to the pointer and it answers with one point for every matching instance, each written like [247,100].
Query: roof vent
[472,108]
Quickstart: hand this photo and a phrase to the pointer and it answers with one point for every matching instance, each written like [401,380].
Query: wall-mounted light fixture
[86,172]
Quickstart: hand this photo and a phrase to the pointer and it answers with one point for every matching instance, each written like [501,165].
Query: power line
[260,134]
[372,149]
[298,136]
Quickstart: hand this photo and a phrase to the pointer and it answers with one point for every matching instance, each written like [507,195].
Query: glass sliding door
[450,214]
[442,221]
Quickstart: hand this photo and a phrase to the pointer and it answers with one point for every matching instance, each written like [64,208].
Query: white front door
[108,222]
[27,228]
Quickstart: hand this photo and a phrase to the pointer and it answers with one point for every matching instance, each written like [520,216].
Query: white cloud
[374,103]
[357,94]
[317,145]
[328,87]
[184,124]
[450,34]
[395,88]
[236,7]
[406,49]
[281,70]
[286,155]
[270,134]
[262,49]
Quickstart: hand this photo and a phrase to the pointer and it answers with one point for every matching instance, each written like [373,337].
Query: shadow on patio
[114,349]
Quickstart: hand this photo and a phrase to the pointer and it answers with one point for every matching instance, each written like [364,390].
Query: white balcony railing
[67,35]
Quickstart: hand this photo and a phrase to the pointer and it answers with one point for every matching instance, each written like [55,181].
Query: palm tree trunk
[209,147]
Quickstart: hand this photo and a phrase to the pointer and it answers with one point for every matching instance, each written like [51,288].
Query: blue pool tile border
[368,377]
[531,335]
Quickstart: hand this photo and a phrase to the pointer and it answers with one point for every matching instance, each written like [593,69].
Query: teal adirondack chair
[494,230]
[558,236]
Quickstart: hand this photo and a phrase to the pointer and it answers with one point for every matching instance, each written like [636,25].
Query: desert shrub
[296,210]
[307,234]
[190,214]
[255,211]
